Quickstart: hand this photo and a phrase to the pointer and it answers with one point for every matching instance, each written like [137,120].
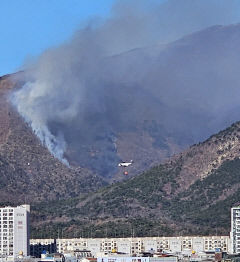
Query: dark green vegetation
[151,204]
[137,227]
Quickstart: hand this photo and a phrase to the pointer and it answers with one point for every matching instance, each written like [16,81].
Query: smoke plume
[119,72]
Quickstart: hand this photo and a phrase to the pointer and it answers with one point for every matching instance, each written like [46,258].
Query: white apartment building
[136,245]
[14,231]
[217,242]
[235,230]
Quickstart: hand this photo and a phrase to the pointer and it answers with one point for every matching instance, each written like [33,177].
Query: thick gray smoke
[93,87]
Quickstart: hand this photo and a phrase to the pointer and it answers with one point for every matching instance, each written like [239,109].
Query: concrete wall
[124,246]
[21,231]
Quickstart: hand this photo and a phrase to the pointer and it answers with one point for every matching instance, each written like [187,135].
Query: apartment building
[217,242]
[132,246]
[235,230]
[14,231]
[66,245]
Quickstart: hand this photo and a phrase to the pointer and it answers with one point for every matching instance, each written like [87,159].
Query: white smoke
[38,123]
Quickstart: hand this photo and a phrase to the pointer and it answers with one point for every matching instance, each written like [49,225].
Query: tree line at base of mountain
[203,209]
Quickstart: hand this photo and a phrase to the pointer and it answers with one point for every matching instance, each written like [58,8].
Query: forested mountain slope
[191,194]
[28,172]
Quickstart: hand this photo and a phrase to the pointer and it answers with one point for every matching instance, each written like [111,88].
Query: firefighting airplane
[125,164]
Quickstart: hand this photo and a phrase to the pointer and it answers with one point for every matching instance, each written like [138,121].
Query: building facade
[135,246]
[235,230]
[39,246]
[137,259]
[14,231]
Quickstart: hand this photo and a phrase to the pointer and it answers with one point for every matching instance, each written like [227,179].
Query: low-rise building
[211,243]
[39,246]
[137,259]
[135,246]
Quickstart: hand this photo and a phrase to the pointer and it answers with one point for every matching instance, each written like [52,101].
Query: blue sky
[27,27]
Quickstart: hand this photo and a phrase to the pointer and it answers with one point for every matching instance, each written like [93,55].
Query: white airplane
[125,164]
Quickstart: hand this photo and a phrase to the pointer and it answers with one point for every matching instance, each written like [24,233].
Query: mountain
[27,169]
[146,104]
[192,193]
[155,102]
